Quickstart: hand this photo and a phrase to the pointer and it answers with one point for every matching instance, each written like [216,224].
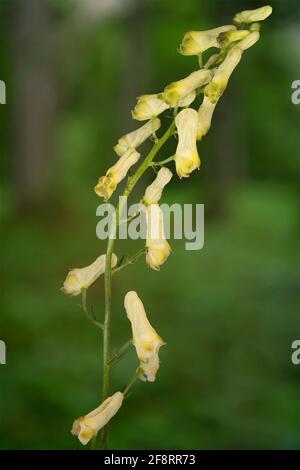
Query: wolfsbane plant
[208,82]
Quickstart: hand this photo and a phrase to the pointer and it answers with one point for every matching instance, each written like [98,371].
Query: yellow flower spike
[154,190]
[176,91]
[217,86]
[252,16]
[196,42]
[108,183]
[205,113]
[87,427]
[134,139]
[186,156]
[81,278]
[249,41]
[157,247]
[145,339]
[225,39]
[148,107]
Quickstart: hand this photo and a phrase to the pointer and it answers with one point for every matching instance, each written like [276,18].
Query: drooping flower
[150,106]
[108,183]
[251,16]
[134,139]
[145,339]
[81,278]
[226,38]
[196,42]
[154,190]
[205,113]
[217,86]
[176,91]
[249,41]
[186,156]
[86,427]
[157,247]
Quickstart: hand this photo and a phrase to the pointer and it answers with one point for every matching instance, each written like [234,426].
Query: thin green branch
[121,353]
[129,260]
[132,382]
[89,314]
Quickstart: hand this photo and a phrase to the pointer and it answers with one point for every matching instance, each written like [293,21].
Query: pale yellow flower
[177,91]
[108,183]
[150,106]
[205,113]
[217,86]
[186,156]
[196,42]
[154,190]
[225,39]
[134,139]
[157,247]
[81,278]
[145,339]
[249,41]
[251,16]
[87,427]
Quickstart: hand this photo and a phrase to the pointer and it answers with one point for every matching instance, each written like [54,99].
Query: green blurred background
[229,312]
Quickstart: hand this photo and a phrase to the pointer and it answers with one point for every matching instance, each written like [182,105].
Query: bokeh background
[229,312]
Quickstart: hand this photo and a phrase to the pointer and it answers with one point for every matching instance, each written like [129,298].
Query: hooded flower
[154,191]
[186,156]
[150,106]
[157,247]
[225,39]
[249,41]
[196,42]
[251,16]
[145,339]
[217,86]
[108,183]
[81,278]
[205,113]
[134,139]
[177,91]
[86,427]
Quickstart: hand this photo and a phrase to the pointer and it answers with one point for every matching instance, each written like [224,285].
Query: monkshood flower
[87,427]
[81,278]
[186,156]
[134,139]
[196,42]
[150,106]
[145,339]
[225,39]
[154,190]
[249,41]
[176,91]
[157,247]
[251,16]
[205,113]
[217,86]
[107,184]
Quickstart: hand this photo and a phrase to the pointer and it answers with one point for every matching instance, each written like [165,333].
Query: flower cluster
[191,122]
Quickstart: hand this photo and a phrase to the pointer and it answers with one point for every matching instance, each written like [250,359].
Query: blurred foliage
[229,312]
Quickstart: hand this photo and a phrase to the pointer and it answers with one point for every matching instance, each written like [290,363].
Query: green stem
[132,181]
[89,315]
[130,260]
[132,382]
[121,353]
[163,162]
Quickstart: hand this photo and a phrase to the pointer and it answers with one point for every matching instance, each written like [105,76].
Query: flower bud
[205,113]
[225,39]
[157,247]
[217,86]
[196,42]
[154,191]
[81,278]
[108,183]
[177,91]
[145,339]
[87,427]
[148,106]
[249,41]
[251,16]
[186,157]
[134,139]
